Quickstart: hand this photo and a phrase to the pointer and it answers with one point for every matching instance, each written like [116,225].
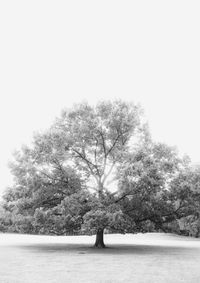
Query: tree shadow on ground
[109,250]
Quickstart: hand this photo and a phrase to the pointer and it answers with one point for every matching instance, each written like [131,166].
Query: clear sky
[55,53]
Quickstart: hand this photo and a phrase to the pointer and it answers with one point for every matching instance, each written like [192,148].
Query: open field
[136,258]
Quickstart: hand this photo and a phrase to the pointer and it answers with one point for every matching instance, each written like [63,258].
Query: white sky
[55,53]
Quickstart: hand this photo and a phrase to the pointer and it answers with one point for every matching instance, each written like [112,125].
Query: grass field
[144,258]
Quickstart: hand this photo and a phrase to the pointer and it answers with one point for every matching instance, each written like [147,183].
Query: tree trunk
[99,239]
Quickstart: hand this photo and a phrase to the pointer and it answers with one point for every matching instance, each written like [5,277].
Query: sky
[57,53]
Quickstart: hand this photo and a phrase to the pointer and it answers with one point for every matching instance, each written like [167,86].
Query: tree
[96,168]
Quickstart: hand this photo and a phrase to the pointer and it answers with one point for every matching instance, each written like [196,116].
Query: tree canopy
[96,169]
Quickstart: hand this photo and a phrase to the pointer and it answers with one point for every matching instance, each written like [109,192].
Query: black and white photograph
[100,141]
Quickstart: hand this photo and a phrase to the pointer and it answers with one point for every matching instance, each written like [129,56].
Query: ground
[140,258]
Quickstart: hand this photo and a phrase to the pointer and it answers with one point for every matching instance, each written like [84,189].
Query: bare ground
[140,258]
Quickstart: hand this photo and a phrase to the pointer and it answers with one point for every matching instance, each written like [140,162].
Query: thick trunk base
[99,240]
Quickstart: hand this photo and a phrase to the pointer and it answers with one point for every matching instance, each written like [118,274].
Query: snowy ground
[140,258]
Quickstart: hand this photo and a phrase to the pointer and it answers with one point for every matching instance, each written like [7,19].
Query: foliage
[186,190]
[97,168]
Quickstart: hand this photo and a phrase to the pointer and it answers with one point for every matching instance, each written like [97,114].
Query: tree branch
[122,197]
[151,217]
[53,178]
[88,162]
[109,172]
[103,143]
[113,145]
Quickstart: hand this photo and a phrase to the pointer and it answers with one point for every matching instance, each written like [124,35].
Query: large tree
[96,168]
